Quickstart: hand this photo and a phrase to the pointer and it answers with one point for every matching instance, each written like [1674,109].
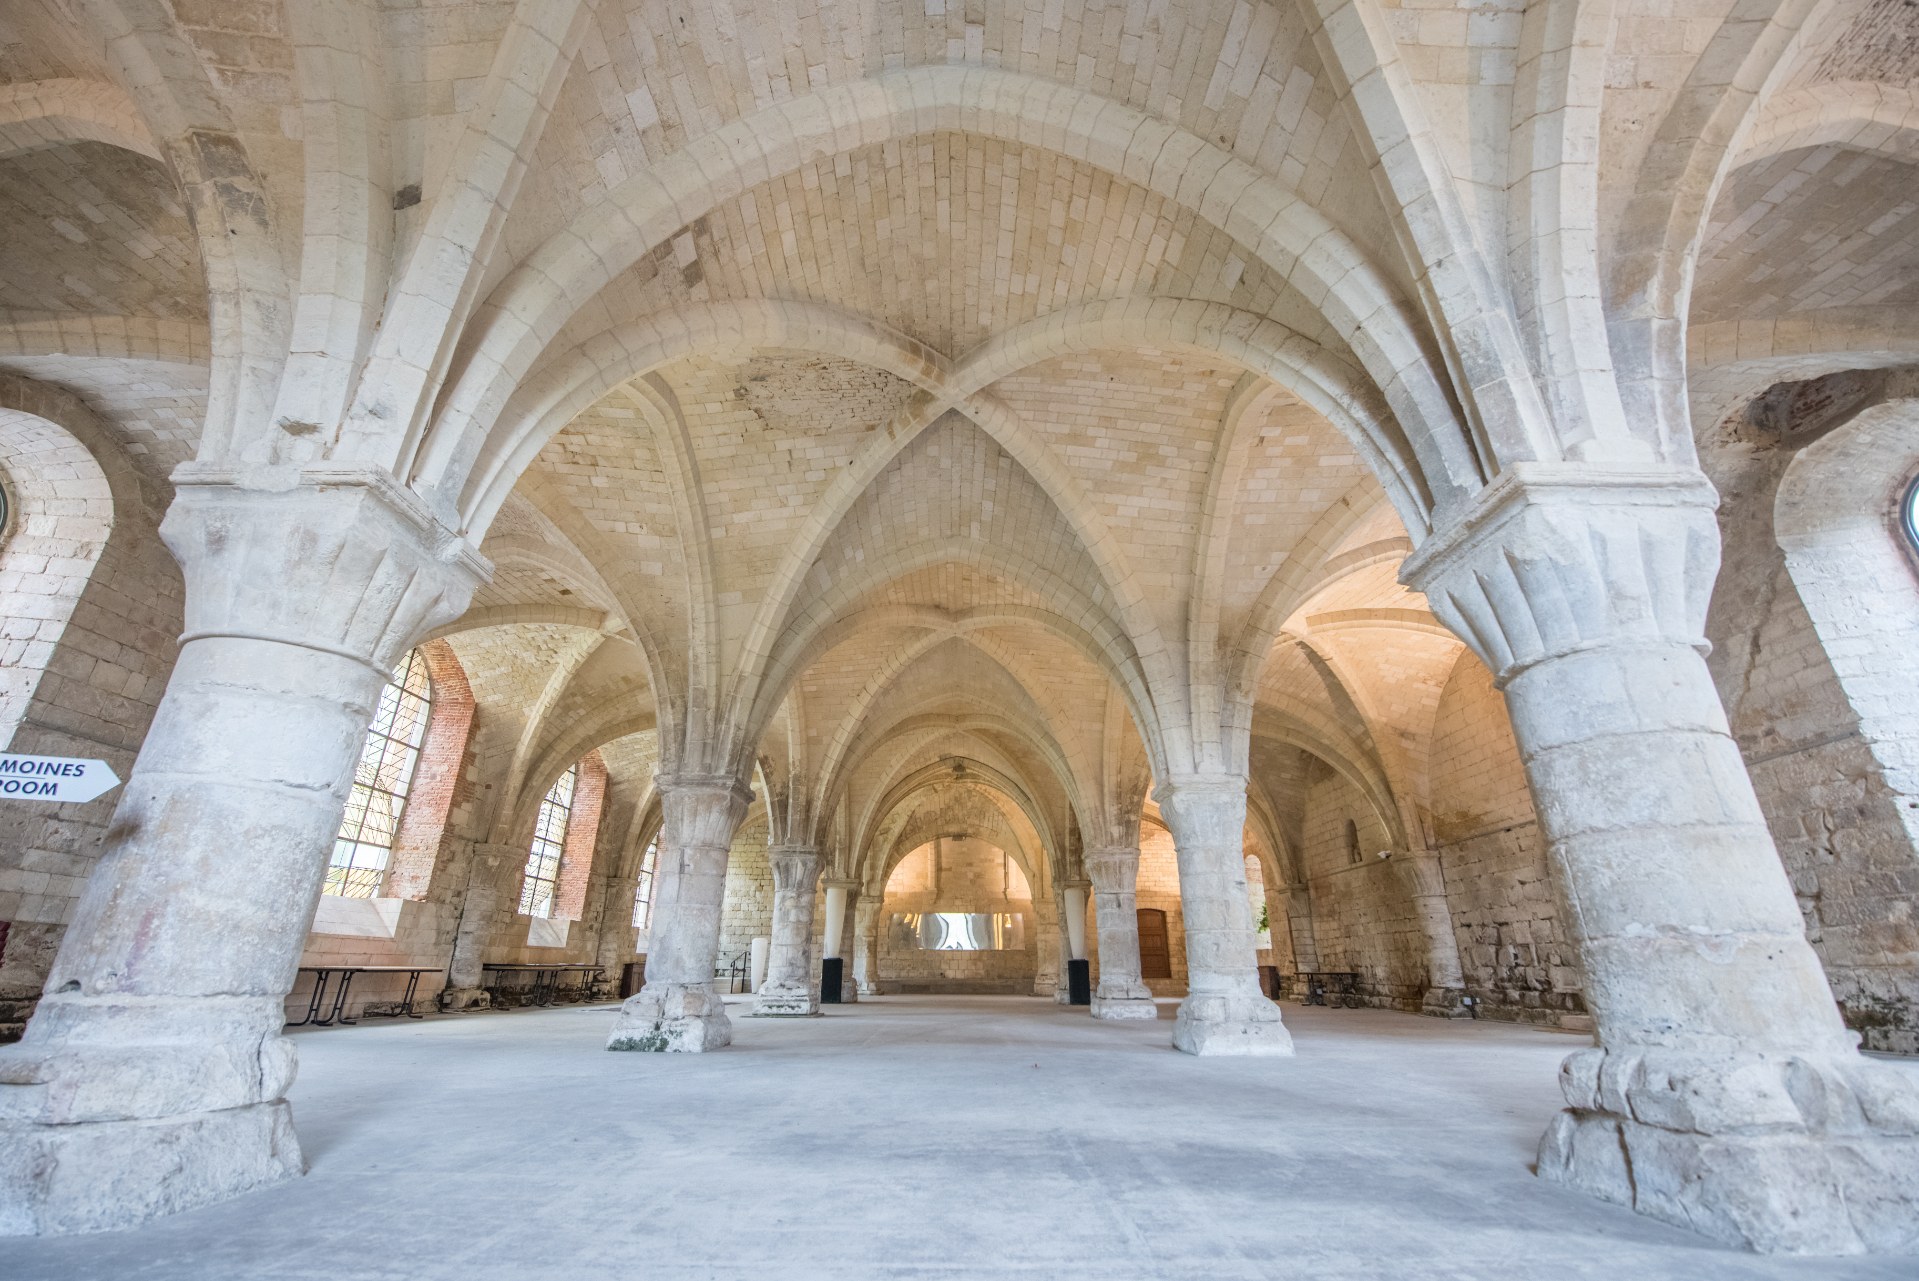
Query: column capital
[1209,807]
[1421,872]
[701,809]
[1556,558]
[343,561]
[795,867]
[1111,865]
[851,884]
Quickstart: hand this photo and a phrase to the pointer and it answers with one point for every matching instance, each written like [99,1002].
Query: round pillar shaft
[1724,1094]
[678,1011]
[151,1077]
[1121,993]
[789,987]
[1224,1011]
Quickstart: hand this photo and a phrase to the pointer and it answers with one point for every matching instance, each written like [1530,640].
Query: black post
[1079,982]
[831,969]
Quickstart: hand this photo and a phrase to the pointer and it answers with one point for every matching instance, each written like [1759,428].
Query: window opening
[549,844]
[643,890]
[388,757]
[1352,841]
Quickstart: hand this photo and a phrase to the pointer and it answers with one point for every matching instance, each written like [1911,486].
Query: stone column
[677,1011]
[1114,871]
[1425,882]
[1224,1011]
[866,950]
[840,941]
[1046,948]
[789,988]
[1724,1093]
[152,1078]
[478,915]
[1062,946]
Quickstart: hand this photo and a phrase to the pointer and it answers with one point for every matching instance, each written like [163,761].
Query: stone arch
[61,514]
[1650,273]
[531,307]
[1836,517]
[1864,115]
[58,112]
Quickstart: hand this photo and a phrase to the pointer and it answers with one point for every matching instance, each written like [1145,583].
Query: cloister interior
[1336,580]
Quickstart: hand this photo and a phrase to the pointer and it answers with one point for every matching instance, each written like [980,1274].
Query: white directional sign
[54,778]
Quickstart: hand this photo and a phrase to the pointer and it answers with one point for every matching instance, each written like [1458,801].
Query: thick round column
[152,1077]
[1425,882]
[1048,967]
[1724,1093]
[1121,994]
[789,989]
[678,1010]
[1224,1011]
[866,930]
[838,937]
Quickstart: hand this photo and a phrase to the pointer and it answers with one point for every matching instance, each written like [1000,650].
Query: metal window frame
[382,781]
[541,884]
[643,886]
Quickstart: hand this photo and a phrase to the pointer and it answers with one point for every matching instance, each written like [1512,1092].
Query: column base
[1778,1154]
[866,987]
[672,1019]
[1445,1003]
[785,1002]
[1235,1022]
[1121,1002]
[1120,1009]
[105,1175]
[465,998]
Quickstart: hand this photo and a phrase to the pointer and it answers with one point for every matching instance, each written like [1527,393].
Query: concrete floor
[924,1137]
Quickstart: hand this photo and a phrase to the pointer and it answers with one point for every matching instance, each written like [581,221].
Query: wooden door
[1155,959]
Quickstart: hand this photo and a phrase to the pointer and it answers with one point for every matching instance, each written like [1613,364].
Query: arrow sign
[54,778]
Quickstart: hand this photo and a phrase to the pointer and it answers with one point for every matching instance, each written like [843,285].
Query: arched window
[643,889]
[387,760]
[549,844]
[1352,841]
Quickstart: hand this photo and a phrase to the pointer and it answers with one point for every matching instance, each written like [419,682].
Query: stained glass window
[364,844]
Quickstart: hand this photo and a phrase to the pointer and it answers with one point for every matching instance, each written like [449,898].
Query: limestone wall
[746,913]
[103,672]
[1826,800]
[1159,888]
[1519,963]
[1363,920]
[966,875]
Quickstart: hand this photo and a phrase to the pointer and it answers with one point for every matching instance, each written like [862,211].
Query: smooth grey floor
[919,1137]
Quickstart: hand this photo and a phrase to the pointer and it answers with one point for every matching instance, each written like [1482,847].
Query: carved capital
[1204,809]
[346,561]
[1112,868]
[1421,873]
[1556,558]
[796,868]
[701,810]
